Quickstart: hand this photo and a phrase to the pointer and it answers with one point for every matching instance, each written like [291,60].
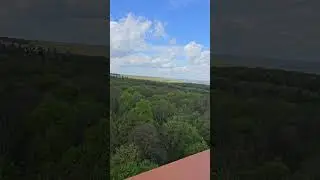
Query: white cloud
[159,30]
[173,41]
[180,69]
[168,65]
[130,45]
[128,34]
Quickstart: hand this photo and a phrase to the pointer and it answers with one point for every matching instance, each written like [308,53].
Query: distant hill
[221,60]
[160,79]
[170,80]
[197,82]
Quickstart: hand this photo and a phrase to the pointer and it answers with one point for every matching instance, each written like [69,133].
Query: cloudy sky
[169,38]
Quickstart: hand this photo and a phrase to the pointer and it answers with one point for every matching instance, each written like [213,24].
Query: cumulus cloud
[131,46]
[159,30]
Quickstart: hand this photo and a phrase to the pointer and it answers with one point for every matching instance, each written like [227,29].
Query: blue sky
[168,38]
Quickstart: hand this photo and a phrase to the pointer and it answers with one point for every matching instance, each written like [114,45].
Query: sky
[168,38]
[76,21]
[286,29]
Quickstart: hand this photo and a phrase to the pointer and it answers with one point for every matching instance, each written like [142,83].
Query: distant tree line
[26,48]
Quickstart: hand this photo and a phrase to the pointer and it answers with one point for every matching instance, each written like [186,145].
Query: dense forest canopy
[154,123]
[265,123]
[53,120]
[57,120]
[56,116]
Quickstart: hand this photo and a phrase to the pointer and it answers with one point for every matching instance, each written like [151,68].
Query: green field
[159,79]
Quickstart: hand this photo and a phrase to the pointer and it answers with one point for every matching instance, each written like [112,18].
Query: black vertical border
[213,135]
[107,75]
[106,21]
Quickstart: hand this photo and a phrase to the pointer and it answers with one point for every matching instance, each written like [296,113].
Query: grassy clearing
[159,79]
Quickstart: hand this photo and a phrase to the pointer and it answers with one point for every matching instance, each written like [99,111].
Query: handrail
[194,167]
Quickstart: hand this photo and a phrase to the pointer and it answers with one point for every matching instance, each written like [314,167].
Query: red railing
[194,167]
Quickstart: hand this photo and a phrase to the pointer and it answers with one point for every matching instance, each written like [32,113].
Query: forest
[53,114]
[155,123]
[265,124]
[58,120]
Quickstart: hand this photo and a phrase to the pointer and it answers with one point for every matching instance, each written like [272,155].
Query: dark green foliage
[154,123]
[127,162]
[53,122]
[54,119]
[265,123]
[162,110]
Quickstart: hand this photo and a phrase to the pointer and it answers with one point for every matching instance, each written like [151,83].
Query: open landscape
[159,79]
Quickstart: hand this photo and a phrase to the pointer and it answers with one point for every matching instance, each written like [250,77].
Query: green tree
[126,162]
[162,110]
[144,111]
[146,137]
[179,136]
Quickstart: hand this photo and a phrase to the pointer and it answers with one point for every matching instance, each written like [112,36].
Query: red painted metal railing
[194,167]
